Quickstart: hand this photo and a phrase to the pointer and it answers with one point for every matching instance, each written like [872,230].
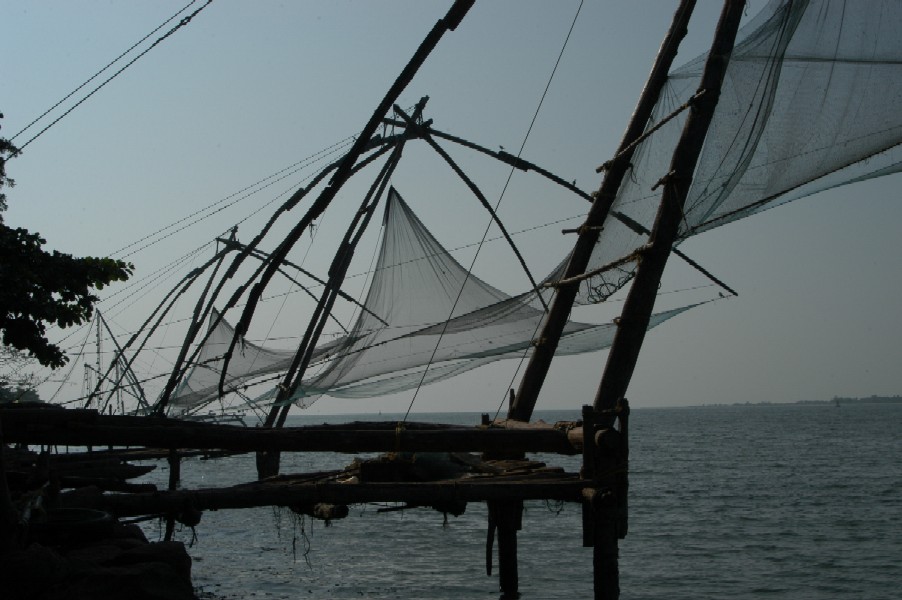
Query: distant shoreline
[836,400]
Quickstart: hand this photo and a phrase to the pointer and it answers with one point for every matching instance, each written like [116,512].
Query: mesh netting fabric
[809,102]
[414,289]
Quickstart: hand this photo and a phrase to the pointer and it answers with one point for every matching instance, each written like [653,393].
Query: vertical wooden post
[508,518]
[602,467]
[606,553]
[623,483]
[175,475]
[588,473]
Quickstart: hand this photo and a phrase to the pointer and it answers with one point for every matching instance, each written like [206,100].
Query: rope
[497,204]
[604,166]
[72,368]
[607,267]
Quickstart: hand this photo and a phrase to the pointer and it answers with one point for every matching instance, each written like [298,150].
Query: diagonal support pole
[640,301]
[540,361]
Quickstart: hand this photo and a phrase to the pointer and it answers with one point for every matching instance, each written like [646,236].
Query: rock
[140,581]
[30,572]
[106,570]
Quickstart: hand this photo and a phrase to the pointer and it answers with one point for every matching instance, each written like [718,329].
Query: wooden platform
[499,480]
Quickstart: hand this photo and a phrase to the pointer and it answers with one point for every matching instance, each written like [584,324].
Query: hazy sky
[249,88]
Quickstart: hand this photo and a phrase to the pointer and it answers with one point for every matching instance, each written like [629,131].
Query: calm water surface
[740,502]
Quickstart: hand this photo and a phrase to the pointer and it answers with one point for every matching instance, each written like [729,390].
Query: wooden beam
[331,492]
[89,428]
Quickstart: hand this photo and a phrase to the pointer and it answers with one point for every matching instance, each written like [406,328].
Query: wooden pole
[81,428]
[508,518]
[175,474]
[608,499]
[640,301]
[540,361]
[276,493]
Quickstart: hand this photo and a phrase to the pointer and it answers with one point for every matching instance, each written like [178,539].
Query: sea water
[741,502]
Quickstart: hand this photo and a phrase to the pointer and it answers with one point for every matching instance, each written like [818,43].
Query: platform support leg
[507,515]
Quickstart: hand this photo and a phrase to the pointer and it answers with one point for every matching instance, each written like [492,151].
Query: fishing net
[426,320]
[249,362]
[809,102]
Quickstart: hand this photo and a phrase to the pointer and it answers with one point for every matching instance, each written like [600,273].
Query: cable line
[97,74]
[181,24]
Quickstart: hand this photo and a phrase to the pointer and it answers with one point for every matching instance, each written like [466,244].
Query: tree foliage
[39,288]
[17,383]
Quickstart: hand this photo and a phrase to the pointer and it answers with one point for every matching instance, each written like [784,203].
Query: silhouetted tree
[40,288]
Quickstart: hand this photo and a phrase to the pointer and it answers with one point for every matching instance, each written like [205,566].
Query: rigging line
[629,148]
[140,381]
[263,256]
[498,203]
[72,368]
[157,282]
[207,216]
[150,285]
[97,74]
[510,386]
[379,149]
[290,169]
[152,276]
[181,24]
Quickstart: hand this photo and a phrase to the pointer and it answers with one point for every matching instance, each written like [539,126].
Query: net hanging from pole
[810,102]
[414,284]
